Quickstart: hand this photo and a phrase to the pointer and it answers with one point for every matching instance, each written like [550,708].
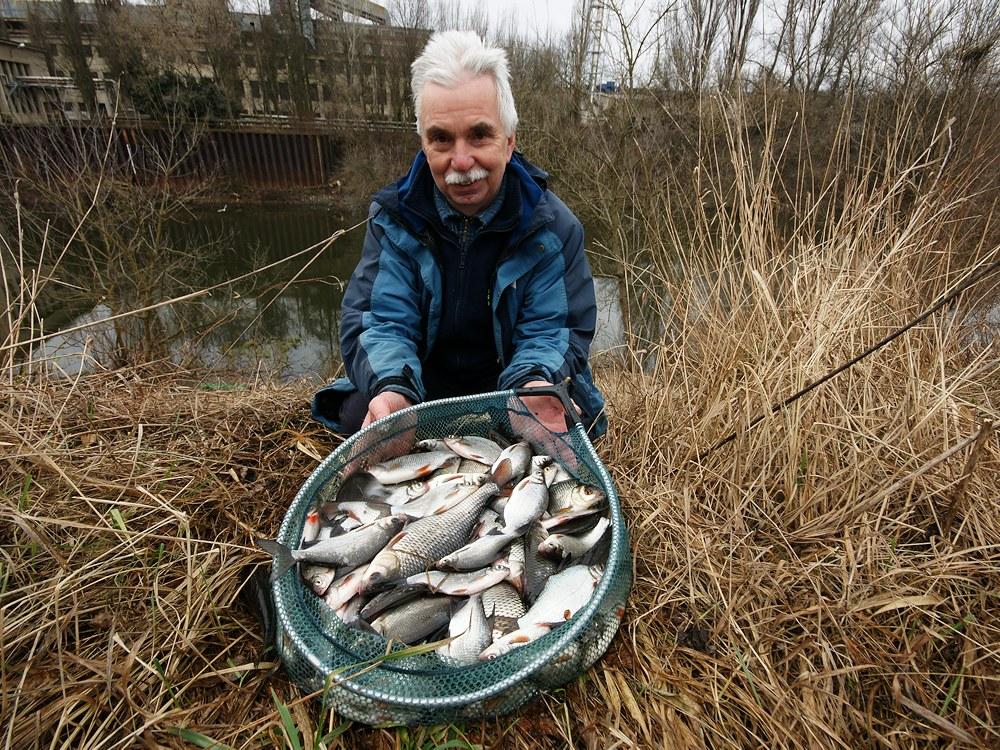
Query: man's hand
[384,404]
[547,409]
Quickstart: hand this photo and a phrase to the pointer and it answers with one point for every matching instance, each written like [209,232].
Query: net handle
[560,391]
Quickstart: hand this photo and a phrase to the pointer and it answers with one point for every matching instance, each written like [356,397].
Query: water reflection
[282,322]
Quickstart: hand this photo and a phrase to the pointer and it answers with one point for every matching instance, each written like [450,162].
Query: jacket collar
[411,199]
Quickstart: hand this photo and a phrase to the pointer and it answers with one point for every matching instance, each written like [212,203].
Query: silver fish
[475,448]
[356,510]
[442,497]
[564,595]
[472,467]
[476,554]
[319,577]
[568,496]
[426,540]
[527,503]
[345,551]
[414,620]
[344,588]
[312,525]
[502,603]
[572,522]
[537,569]
[469,631]
[412,466]
[563,546]
[359,487]
[460,584]
[519,456]
[489,521]
[348,612]
[515,562]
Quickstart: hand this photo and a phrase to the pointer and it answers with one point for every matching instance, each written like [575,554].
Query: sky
[537,15]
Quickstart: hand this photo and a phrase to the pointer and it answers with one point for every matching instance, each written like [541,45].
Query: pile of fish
[480,547]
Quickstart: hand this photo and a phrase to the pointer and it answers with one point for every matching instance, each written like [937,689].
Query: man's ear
[511,143]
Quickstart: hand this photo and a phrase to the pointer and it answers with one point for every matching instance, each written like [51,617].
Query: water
[282,322]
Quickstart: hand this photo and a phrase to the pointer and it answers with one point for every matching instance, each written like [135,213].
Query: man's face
[464,142]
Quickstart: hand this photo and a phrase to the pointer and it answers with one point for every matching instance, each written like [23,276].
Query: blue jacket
[543,304]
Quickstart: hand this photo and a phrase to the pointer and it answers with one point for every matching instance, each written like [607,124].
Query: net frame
[368,680]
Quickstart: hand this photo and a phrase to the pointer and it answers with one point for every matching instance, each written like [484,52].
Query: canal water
[279,322]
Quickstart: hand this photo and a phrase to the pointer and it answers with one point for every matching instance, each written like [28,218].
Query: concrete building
[36,81]
[317,59]
[22,103]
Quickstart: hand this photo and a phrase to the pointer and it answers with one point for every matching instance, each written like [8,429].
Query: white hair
[454,57]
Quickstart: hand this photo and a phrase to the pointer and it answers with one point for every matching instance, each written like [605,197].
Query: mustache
[465,178]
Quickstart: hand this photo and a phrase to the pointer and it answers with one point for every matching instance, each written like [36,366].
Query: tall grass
[827,579]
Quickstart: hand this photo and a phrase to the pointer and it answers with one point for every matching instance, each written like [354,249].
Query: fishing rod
[959,289]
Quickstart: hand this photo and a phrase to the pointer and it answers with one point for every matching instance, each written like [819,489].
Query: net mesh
[368,680]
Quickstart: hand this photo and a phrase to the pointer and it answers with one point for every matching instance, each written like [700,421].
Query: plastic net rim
[568,634]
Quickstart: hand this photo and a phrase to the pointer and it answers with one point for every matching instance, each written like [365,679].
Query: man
[473,276]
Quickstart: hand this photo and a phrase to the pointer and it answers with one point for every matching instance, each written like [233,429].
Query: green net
[364,678]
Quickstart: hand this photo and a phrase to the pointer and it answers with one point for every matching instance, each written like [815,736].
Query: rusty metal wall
[279,158]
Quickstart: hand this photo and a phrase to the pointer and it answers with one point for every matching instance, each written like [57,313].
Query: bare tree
[740,16]
[633,35]
[692,48]
[821,42]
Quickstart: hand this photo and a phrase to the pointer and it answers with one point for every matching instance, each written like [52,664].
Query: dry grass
[828,579]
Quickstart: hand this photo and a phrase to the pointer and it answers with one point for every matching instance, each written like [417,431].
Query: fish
[472,467]
[344,588]
[311,527]
[515,563]
[505,606]
[470,632]
[564,595]
[415,620]
[451,542]
[356,510]
[460,584]
[441,498]
[519,456]
[428,539]
[347,550]
[565,546]
[359,487]
[570,495]
[527,503]
[489,521]
[349,612]
[319,577]
[537,569]
[574,521]
[389,599]
[413,466]
[476,554]
[474,448]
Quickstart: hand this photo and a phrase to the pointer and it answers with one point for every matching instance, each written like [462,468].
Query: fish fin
[395,540]
[503,473]
[599,552]
[282,557]
[363,624]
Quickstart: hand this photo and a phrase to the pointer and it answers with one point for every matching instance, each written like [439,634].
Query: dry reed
[828,579]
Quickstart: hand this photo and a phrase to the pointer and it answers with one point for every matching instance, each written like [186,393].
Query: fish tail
[282,557]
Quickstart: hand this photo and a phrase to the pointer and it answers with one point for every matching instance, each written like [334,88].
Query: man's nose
[462,160]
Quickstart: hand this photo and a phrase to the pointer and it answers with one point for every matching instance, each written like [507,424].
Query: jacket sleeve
[558,313]
[380,327]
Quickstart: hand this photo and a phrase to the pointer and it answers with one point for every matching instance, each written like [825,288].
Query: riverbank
[828,579]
